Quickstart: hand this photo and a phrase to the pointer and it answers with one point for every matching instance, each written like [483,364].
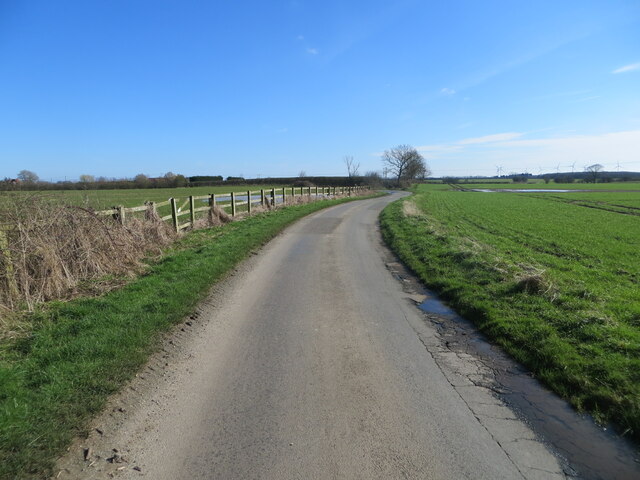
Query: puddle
[433,305]
[590,452]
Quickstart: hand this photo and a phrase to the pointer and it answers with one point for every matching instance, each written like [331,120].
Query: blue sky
[120,87]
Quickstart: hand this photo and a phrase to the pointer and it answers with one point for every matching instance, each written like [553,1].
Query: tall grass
[50,250]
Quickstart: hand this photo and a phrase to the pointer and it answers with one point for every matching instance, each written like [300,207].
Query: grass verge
[553,283]
[82,351]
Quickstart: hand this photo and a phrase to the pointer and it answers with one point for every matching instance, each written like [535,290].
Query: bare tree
[593,171]
[28,176]
[87,178]
[302,174]
[352,166]
[405,163]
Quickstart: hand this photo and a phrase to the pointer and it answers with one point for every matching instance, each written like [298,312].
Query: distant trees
[563,179]
[27,176]
[593,172]
[141,180]
[373,179]
[405,163]
[450,180]
[352,166]
[87,178]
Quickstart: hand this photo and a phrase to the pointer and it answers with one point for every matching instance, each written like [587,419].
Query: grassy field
[103,199]
[539,184]
[554,278]
[79,352]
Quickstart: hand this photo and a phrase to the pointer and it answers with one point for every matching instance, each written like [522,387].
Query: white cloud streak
[498,137]
[627,68]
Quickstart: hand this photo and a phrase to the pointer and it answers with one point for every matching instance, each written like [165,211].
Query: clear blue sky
[120,87]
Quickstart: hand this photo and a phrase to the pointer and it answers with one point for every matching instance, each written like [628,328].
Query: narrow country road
[311,362]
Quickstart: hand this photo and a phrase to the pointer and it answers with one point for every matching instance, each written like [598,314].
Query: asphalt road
[313,363]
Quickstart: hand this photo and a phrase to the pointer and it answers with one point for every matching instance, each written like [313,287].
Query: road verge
[538,318]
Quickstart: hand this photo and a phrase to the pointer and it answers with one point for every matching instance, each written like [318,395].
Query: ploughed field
[553,277]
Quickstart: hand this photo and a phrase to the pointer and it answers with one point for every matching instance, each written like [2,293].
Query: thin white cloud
[586,99]
[519,154]
[313,51]
[627,68]
[447,91]
[300,37]
[498,137]
[441,148]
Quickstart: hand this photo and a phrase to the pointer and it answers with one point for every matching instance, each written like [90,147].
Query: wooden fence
[231,202]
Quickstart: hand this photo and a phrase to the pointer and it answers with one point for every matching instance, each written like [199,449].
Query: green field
[539,184]
[554,278]
[104,199]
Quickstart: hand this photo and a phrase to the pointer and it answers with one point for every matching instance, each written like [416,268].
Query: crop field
[622,202]
[553,277]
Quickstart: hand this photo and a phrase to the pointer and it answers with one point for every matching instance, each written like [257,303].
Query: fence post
[151,213]
[8,266]
[293,192]
[262,197]
[233,204]
[249,202]
[212,200]
[284,196]
[119,215]
[273,197]
[174,214]
[192,213]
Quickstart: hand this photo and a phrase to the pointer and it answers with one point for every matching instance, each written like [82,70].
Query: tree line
[401,166]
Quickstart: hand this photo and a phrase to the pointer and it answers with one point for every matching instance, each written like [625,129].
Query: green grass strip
[82,351]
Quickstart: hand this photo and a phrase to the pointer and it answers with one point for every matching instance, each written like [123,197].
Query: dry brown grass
[215,217]
[52,249]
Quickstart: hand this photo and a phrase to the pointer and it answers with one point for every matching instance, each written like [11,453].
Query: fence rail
[229,202]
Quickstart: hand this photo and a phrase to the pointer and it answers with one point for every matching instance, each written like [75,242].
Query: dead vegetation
[48,250]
